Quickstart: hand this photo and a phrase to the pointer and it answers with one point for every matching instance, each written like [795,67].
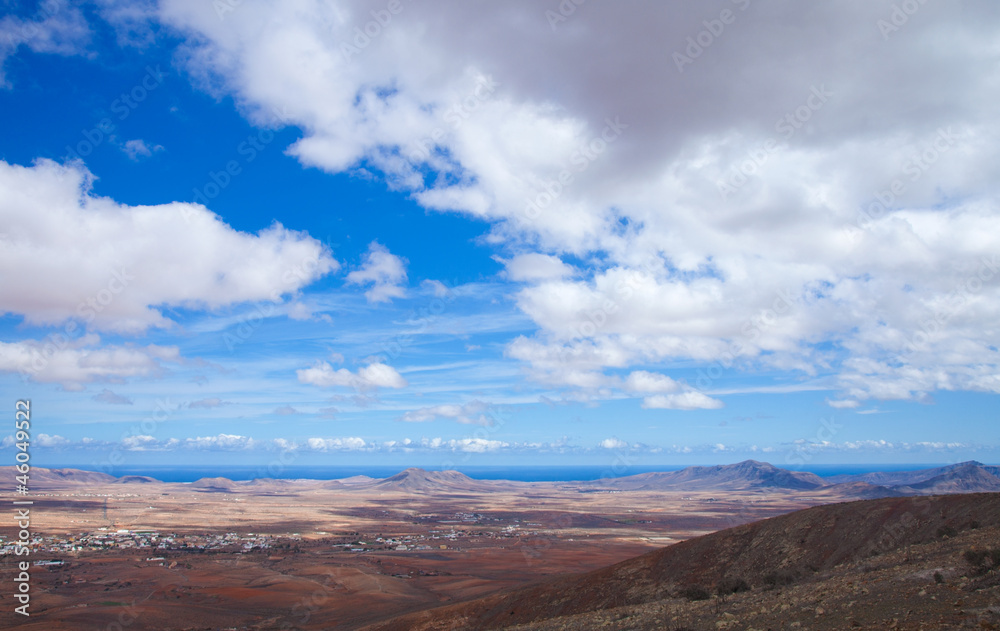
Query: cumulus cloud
[468,445]
[643,381]
[139,442]
[137,148]
[120,276]
[336,444]
[384,271]
[471,413]
[537,267]
[222,442]
[72,363]
[107,396]
[50,440]
[760,224]
[690,400]
[371,377]
[613,443]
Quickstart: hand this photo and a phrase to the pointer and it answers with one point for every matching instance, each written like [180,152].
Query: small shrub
[982,561]
[781,577]
[731,585]
[695,592]
[938,578]
[946,531]
[973,525]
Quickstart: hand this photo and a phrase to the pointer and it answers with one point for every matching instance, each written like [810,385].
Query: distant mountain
[861,491]
[67,475]
[134,479]
[356,479]
[214,484]
[903,478]
[970,477]
[415,480]
[748,474]
[965,477]
[806,543]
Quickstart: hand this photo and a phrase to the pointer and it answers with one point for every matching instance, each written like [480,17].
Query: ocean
[522,473]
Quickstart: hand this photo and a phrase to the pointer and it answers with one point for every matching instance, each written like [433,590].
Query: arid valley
[342,554]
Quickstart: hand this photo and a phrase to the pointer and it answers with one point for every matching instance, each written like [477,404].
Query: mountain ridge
[965,477]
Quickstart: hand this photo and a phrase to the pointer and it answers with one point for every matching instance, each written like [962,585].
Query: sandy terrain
[476,537]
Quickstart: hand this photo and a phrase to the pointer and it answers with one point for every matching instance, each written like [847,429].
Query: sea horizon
[517,473]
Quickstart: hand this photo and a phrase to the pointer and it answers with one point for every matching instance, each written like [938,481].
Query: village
[111,538]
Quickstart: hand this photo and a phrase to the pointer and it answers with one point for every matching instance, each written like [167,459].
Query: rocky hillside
[804,546]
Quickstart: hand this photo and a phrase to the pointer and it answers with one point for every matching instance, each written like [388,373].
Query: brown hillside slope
[796,544]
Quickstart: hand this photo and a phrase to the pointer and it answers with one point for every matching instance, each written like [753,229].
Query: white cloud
[285,410]
[843,404]
[436,287]
[132,20]
[591,167]
[137,148]
[56,27]
[471,413]
[643,381]
[139,442]
[477,445]
[121,275]
[384,271]
[304,312]
[613,443]
[50,440]
[222,442]
[336,444]
[536,267]
[690,400]
[74,363]
[370,377]
[468,445]
[107,396]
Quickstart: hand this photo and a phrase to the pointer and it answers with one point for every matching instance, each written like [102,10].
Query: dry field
[472,539]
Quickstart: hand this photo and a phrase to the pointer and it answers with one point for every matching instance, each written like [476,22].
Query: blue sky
[374,232]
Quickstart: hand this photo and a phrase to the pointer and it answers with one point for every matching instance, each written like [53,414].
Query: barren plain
[133,552]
